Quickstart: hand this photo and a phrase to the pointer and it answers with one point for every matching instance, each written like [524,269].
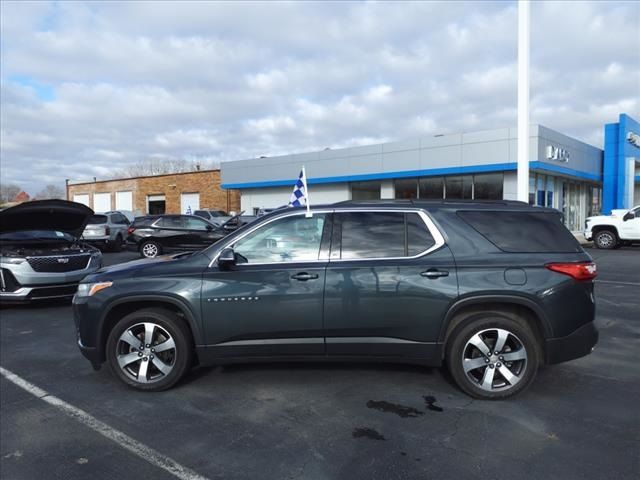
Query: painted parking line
[123,440]
[633,284]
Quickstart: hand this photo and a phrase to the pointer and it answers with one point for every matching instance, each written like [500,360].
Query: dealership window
[595,205]
[365,190]
[541,197]
[458,187]
[488,186]
[407,188]
[431,188]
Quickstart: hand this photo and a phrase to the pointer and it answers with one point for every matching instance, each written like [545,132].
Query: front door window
[290,239]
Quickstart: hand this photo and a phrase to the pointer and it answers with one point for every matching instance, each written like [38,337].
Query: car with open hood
[41,255]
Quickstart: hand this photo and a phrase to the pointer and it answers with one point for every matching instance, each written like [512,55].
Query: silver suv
[107,230]
[40,254]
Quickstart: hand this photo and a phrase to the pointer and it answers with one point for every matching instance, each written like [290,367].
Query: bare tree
[155,166]
[51,192]
[8,192]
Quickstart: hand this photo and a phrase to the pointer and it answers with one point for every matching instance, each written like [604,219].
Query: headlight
[89,289]
[13,260]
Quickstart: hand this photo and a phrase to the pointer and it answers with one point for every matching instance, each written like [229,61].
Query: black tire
[152,246]
[461,354]
[116,246]
[605,239]
[166,326]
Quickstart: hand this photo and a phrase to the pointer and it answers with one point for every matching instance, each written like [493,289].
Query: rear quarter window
[523,232]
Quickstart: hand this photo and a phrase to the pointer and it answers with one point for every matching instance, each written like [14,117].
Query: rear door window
[170,222]
[523,232]
[368,235]
[419,238]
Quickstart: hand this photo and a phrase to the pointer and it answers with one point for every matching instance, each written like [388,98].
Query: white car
[611,231]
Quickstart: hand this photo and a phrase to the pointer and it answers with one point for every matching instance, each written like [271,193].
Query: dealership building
[565,173]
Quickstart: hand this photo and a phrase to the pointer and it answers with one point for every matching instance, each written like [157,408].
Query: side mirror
[227,258]
[628,216]
[209,228]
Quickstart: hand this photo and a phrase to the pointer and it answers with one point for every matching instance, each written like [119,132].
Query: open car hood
[52,215]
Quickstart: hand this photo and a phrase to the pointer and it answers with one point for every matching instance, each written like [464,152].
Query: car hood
[58,215]
[614,213]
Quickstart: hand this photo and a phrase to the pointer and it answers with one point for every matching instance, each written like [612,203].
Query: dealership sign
[633,139]
[557,153]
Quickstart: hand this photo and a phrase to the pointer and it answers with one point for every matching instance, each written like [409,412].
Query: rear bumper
[577,344]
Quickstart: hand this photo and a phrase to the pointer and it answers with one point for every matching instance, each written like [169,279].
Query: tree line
[9,191]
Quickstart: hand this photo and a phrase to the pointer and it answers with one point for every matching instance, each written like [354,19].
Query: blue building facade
[621,166]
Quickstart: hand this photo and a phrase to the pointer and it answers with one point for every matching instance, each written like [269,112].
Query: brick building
[171,193]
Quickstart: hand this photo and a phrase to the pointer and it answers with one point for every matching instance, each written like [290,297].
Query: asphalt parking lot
[284,421]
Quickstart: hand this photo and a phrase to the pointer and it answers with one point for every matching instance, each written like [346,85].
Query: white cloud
[88,88]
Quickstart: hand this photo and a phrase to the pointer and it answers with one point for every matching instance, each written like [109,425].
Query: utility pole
[524,9]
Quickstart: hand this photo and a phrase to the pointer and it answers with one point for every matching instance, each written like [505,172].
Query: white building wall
[510,186]
[253,198]
[387,189]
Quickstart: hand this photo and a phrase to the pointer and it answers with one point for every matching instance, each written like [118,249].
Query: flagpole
[306,191]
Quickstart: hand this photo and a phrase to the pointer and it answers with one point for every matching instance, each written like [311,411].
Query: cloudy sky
[88,88]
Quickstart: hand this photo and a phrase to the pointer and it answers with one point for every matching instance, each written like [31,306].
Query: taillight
[107,231]
[578,271]
[130,230]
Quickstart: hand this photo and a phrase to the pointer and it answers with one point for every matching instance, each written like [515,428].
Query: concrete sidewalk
[580,237]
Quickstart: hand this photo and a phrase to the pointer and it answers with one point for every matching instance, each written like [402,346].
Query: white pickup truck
[611,231]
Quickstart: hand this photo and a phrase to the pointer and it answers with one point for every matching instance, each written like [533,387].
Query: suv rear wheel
[493,356]
[149,349]
[605,239]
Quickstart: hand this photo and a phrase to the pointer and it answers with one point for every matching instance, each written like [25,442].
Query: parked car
[107,230]
[421,282]
[611,231]
[216,217]
[41,256]
[153,235]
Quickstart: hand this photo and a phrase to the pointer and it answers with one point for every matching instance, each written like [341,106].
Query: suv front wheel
[149,349]
[493,355]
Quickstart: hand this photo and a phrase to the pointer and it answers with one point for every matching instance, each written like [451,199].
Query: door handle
[304,276]
[435,273]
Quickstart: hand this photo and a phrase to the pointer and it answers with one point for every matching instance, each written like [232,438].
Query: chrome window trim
[429,223]
[431,227]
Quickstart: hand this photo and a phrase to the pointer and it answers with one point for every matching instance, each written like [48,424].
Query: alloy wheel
[150,250]
[494,359]
[605,240]
[146,352]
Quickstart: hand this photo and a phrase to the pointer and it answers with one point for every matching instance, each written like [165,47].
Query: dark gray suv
[491,289]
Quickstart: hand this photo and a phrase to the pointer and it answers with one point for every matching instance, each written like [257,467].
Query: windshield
[36,235]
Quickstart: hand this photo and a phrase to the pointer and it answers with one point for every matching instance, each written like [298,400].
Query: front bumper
[575,345]
[40,292]
[86,317]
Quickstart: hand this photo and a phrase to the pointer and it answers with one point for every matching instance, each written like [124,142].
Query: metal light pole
[523,99]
